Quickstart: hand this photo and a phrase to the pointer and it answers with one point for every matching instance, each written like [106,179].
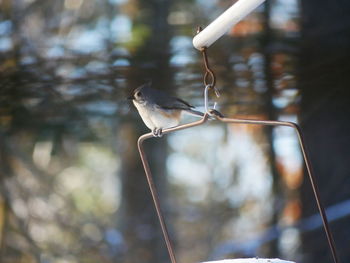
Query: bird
[159,110]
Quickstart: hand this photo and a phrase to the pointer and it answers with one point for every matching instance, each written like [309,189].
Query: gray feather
[194,112]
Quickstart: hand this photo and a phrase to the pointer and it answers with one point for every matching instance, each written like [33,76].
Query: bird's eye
[138,94]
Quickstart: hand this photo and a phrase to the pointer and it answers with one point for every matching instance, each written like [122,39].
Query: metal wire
[155,197]
[219,117]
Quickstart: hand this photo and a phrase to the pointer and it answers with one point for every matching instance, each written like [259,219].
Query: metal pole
[224,22]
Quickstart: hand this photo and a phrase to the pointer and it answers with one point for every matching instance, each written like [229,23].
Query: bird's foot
[157,132]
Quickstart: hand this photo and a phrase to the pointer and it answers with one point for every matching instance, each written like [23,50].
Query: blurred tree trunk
[272,115]
[325,117]
[140,223]
[142,232]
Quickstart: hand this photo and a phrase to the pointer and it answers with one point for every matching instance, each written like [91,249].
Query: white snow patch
[251,260]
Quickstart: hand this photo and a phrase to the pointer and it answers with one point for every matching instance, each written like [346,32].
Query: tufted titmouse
[158,110]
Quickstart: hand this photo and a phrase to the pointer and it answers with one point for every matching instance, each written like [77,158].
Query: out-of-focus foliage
[72,187]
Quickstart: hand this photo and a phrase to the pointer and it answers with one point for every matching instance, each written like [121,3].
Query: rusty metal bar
[151,185]
[215,114]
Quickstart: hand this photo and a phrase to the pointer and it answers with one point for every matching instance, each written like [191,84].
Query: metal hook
[209,74]
[206,99]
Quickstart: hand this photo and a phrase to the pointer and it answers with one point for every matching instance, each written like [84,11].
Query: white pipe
[224,22]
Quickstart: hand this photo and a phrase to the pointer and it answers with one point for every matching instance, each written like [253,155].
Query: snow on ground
[251,260]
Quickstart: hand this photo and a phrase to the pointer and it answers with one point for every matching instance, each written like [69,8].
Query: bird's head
[141,94]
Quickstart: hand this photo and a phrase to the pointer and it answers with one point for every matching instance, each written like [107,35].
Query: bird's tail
[194,112]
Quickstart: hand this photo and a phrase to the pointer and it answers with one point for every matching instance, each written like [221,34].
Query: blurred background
[72,185]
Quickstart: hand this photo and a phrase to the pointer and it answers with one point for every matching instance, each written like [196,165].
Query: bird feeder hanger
[209,80]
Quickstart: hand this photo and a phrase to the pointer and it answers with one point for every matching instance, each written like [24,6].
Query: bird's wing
[184,103]
[175,103]
[165,101]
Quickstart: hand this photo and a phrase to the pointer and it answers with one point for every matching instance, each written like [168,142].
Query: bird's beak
[131,97]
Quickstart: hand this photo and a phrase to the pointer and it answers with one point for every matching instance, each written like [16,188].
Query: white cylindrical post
[224,22]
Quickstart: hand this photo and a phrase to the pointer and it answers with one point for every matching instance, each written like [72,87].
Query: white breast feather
[153,118]
[144,113]
[162,121]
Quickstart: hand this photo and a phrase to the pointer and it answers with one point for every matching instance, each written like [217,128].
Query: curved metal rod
[151,184]
[296,127]
[314,185]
